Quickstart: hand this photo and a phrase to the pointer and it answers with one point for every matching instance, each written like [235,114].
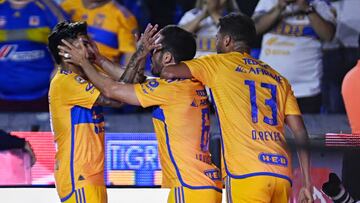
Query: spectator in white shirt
[203,21]
[293,34]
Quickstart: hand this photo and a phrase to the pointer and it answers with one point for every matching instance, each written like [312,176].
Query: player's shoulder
[71,4]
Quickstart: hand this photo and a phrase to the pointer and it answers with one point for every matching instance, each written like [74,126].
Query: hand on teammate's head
[149,40]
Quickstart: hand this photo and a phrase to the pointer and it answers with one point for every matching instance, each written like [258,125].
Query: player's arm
[296,124]
[109,88]
[176,71]
[112,69]
[104,101]
[134,72]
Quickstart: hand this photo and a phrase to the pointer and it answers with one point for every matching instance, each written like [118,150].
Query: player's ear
[167,58]
[227,40]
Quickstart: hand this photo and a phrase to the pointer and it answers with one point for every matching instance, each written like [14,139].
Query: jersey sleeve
[291,105]
[78,92]
[127,30]
[204,69]
[154,92]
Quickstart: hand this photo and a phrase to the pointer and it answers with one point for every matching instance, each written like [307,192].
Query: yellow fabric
[258,189]
[252,101]
[89,194]
[32,34]
[110,17]
[79,133]
[181,124]
[186,195]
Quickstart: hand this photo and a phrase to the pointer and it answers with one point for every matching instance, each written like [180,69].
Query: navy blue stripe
[176,196]
[104,37]
[183,195]
[160,113]
[67,197]
[83,193]
[76,196]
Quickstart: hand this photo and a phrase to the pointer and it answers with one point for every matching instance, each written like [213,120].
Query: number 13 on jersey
[271,102]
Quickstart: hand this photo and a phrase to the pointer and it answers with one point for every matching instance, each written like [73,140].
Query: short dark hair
[239,27]
[64,30]
[179,42]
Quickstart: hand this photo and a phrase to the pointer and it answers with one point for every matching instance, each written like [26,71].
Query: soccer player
[180,116]
[111,25]
[77,122]
[253,103]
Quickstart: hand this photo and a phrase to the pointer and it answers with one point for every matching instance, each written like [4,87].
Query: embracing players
[180,117]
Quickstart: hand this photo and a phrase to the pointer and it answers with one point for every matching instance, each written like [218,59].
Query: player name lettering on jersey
[259,71]
[266,136]
[213,174]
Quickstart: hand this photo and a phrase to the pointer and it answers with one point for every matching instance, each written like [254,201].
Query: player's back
[181,122]
[111,25]
[251,100]
[78,127]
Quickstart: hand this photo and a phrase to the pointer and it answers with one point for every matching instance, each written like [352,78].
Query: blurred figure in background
[203,21]
[341,54]
[111,25]
[25,63]
[293,34]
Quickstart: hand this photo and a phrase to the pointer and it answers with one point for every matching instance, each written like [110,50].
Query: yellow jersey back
[251,100]
[78,127]
[182,124]
[111,25]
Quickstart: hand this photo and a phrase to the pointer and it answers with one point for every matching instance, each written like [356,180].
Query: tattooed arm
[134,72]
[104,101]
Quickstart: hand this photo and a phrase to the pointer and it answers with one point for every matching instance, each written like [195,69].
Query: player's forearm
[323,28]
[137,62]
[266,21]
[101,82]
[302,142]
[113,70]
[178,71]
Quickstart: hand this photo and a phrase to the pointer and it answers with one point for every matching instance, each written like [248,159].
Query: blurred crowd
[313,43]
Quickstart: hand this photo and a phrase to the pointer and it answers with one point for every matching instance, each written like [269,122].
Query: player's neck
[241,48]
[91,5]
[70,67]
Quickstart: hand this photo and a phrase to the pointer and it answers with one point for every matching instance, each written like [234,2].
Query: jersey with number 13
[251,100]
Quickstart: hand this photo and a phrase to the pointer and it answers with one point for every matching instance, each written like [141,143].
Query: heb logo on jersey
[9,52]
[275,159]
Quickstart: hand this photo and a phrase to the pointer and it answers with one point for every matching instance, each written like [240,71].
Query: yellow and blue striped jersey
[182,123]
[78,126]
[251,100]
[111,25]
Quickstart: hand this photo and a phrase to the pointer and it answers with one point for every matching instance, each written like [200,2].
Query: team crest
[34,20]
[99,20]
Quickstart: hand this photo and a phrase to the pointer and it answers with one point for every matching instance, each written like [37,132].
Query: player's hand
[94,53]
[305,195]
[149,40]
[303,4]
[74,55]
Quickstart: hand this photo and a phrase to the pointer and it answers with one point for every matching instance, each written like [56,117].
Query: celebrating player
[77,122]
[180,117]
[253,102]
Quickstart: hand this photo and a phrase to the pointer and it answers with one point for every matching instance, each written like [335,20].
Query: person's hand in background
[28,149]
